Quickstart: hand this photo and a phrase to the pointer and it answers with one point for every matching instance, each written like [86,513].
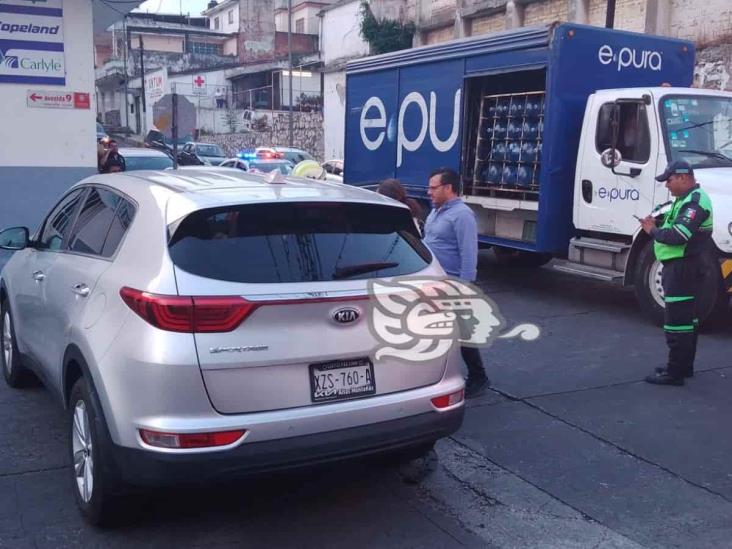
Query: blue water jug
[517,107]
[509,175]
[499,130]
[499,151]
[514,129]
[524,175]
[502,107]
[514,151]
[528,151]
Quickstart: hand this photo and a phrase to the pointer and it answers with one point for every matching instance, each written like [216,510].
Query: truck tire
[649,291]
[509,257]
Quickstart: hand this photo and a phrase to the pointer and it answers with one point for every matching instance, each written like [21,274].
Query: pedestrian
[451,232]
[110,160]
[394,189]
[219,98]
[679,244]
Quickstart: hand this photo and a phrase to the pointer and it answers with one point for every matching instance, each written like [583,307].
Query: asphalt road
[570,449]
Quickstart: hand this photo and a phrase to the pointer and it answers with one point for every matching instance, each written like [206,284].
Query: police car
[259,160]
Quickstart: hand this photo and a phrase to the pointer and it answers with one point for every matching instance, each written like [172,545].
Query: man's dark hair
[448,177]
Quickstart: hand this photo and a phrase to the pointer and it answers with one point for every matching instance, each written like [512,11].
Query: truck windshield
[698,129]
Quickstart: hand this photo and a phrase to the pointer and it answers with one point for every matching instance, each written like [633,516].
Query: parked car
[175,318]
[264,165]
[145,159]
[334,167]
[207,153]
[293,155]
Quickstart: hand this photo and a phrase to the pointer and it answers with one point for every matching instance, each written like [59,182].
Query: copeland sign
[630,57]
[32,43]
[373,124]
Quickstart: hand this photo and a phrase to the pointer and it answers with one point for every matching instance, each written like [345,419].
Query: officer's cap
[677,167]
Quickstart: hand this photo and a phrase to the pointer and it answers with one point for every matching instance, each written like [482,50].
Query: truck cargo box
[503,110]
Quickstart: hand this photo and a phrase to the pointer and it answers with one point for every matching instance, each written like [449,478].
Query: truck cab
[628,137]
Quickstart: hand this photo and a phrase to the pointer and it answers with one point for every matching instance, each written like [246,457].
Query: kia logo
[346,315]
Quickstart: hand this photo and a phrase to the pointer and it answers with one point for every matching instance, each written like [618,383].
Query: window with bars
[300,25]
[205,47]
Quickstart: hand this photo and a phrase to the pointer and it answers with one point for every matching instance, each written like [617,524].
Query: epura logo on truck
[373,116]
[627,57]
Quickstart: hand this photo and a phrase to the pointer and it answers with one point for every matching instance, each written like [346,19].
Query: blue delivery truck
[557,133]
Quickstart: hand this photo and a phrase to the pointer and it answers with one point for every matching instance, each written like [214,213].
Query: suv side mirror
[15,238]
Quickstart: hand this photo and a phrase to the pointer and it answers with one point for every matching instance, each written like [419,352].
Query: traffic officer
[679,243]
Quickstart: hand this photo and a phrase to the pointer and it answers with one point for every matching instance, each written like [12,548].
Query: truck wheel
[649,290]
[509,257]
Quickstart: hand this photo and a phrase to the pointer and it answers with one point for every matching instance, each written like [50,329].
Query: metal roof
[516,39]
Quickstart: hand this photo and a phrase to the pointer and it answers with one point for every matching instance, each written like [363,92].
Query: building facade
[49,111]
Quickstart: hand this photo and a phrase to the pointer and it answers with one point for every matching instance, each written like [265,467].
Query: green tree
[384,35]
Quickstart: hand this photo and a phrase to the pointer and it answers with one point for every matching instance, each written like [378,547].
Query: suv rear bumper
[148,468]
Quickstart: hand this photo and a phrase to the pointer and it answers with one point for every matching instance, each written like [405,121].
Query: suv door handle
[81,289]
[38,275]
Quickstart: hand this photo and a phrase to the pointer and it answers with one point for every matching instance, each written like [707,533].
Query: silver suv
[207,323]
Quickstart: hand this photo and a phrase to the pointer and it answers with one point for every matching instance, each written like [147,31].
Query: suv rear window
[298,242]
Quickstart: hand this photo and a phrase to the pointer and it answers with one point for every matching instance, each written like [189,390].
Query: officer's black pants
[471,356]
[682,279]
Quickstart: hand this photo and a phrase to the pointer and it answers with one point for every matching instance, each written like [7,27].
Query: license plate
[342,379]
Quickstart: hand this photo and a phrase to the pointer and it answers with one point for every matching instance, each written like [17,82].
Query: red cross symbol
[199,81]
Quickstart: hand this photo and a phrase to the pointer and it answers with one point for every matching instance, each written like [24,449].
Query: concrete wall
[341,41]
[340,33]
[307,131]
[157,42]
[230,47]
[702,21]
[487,24]
[256,30]
[334,114]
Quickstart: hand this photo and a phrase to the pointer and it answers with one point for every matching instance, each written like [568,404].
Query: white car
[203,323]
[261,165]
[145,159]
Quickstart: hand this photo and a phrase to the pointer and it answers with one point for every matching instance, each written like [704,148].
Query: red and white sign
[199,84]
[44,99]
[82,100]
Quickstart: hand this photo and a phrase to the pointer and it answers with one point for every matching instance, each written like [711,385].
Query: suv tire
[15,374]
[95,487]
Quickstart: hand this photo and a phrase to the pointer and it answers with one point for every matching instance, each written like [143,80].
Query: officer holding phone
[679,243]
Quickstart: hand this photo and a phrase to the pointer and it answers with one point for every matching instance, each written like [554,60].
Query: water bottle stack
[509,141]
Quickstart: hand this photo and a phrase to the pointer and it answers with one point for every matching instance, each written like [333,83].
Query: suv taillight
[188,314]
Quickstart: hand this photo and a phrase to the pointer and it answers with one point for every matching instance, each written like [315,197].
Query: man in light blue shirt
[451,232]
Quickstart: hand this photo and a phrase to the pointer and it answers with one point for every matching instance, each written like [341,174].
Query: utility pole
[610,14]
[174,128]
[142,80]
[289,62]
[127,77]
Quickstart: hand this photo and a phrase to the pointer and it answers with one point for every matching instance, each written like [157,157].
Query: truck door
[609,189]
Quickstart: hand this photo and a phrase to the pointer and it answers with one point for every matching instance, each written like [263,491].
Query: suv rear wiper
[361,268]
[710,154]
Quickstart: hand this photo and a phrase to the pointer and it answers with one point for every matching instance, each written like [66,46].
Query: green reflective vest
[665,252]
